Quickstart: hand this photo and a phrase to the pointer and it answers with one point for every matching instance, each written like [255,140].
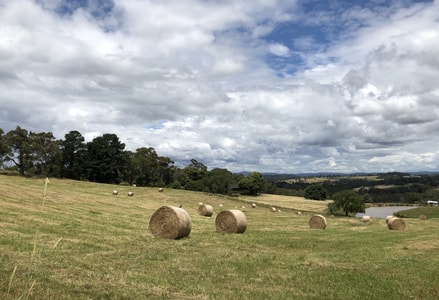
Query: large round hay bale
[205,210]
[388,218]
[231,221]
[396,223]
[170,222]
[317,222]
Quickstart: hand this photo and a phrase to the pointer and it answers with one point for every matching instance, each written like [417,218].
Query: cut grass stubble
[92,244]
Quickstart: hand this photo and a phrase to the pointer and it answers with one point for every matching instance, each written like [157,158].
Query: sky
[284,86]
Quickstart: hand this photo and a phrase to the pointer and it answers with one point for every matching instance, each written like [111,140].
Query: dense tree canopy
[347,201]
[316,192]
[105,160]
[73,150]
[252,184]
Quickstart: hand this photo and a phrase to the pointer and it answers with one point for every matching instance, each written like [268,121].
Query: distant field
[81,242]
[290,202]
[329,178]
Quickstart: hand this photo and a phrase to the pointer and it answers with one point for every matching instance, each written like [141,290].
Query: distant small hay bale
[366,219]
[130,194]
[317,222]
[220,205]
[242,206]
[170,222]
[115,192]
[332,216]
[200,203]
[298,212]
[254,205]
[134,185]
[160,190]
[205,210]
[231,221]
[273,209]
[422,217]
[396,223]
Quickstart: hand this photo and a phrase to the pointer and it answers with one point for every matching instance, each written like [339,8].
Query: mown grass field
[82,242]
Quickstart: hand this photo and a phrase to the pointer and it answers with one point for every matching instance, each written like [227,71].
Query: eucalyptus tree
[73,154]
[348,201]
[252,184]
[46,154]
[105,159]
[18,149]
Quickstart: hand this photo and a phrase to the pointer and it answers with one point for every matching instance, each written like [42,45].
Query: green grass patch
[85,243]
[428,211]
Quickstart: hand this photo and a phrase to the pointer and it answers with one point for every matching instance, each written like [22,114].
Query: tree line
[393,187]
[105,160]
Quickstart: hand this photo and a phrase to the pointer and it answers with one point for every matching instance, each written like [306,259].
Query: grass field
[81,242]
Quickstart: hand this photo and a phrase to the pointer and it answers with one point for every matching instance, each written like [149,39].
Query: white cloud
[199,79]
[279,50]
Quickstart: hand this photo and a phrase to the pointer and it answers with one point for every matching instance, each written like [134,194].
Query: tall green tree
[18,148]
[195,170]
[347,201]
[149,168]
[46,154]
[252,184]
[218,181]
[193,175]
[166,170]
[105,159]
[73,155]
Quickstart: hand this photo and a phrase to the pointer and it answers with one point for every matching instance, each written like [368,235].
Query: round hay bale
[317,222]
[422,217]
[253,205]
[170,222]
[205,210]
[273,209]
[366,219]
[298,212]
[160,190]
[115,192]
[396,223]
[231,221]
[388,218]
[130,194]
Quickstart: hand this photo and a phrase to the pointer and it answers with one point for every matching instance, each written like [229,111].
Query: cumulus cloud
[276,86]
[279,50]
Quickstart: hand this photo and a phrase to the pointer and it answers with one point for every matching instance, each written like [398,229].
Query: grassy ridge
[85,243]
[428,211]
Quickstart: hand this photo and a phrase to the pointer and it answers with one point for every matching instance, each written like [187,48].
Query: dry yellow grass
[86,243]
[289,202]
